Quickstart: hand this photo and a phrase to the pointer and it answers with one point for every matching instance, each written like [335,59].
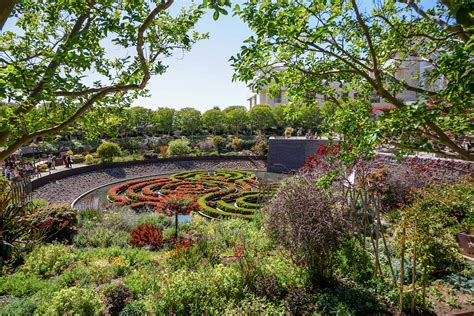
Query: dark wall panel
[288,155]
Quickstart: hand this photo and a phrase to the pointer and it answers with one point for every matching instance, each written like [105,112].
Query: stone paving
[67,189]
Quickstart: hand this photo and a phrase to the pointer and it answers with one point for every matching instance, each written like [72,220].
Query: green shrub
[119,219]
[22,307]
[21,284]
[354,262]
[89,159]
[155,219]
[203,291]
[252,305]
[100,236]
[72,301]
[136,308]
[89,217]
[179,147]
[108,150]
[218,143]
[78,158]
[48,260]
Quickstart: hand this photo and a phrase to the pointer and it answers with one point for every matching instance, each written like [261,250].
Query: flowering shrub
[178,204]
[49,260]
[147,235]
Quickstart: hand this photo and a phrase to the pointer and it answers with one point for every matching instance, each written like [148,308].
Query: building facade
[410,71]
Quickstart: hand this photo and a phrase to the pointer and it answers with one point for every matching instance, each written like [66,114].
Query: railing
[21,191]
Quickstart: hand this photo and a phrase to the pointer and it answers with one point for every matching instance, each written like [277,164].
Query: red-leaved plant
[147,235]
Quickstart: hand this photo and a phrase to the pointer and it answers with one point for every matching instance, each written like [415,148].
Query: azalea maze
[222,193]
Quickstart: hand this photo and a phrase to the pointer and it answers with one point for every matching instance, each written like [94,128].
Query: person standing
[69,161]
[49,161]
[53,163]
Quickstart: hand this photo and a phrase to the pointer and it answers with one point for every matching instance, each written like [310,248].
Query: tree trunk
[6,8]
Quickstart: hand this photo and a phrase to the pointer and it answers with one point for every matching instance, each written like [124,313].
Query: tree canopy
[189,120]
[261,117]
[213,120]
[47,60]
[236,118]
[163,120]
[337,49]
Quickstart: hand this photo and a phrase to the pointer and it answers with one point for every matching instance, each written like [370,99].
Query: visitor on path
[49,161]
[53,163]
[69,161]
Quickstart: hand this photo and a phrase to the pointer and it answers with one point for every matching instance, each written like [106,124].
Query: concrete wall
[288,155]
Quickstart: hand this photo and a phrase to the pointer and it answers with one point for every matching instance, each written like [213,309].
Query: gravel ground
[68,189]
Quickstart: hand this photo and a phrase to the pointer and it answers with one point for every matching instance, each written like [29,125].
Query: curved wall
[36,183]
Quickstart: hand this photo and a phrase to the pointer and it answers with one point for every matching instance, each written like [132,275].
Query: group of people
[67,161]
[51,162]
[13,170]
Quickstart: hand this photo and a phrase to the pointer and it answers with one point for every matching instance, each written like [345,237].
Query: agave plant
[10,221]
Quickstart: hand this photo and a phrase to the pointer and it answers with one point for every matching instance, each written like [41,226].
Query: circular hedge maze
[220,193]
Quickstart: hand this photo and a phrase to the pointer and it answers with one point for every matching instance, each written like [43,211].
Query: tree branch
[458,29]
[103,92]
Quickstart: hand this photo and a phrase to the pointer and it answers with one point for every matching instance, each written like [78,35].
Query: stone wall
[439,169]
[288,155]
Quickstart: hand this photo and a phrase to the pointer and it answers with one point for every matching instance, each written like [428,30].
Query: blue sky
[202,78]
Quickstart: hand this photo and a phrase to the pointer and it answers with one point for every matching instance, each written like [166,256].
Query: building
[263,97]
[410,71]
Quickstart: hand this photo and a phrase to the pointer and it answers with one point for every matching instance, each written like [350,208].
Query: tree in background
[213,120]
[236,118]
[261,117]
[188,120]
[103,121]
[45,84]
[163,120]
[310,118]
[141,119]
[335,48]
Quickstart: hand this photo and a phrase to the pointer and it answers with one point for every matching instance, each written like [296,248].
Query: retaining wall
[39,182]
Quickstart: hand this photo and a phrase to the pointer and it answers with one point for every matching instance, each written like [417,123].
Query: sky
[202,78]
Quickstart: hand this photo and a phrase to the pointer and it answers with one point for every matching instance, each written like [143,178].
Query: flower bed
[216,194]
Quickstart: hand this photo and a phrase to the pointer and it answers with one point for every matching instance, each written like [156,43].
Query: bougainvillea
[212,193]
